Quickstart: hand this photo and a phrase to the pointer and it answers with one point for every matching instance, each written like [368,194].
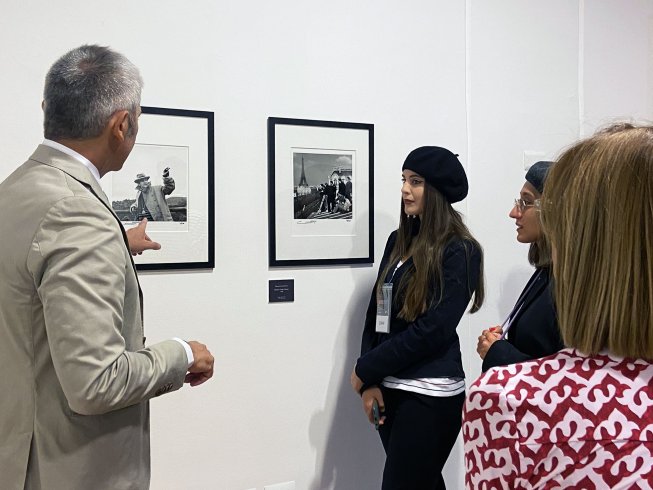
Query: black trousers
[418,435]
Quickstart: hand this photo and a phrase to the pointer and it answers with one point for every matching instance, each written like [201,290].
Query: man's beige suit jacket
[75,375]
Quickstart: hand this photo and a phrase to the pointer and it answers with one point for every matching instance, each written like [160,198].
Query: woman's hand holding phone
[373,406]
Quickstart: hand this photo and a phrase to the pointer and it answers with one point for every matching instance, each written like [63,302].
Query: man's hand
[486,339]
[202,368]
[369,396]
[138,239]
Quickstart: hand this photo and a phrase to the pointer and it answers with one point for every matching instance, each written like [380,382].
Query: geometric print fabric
[567,421]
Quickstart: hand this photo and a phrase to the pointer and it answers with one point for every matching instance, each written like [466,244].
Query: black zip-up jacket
[534,330]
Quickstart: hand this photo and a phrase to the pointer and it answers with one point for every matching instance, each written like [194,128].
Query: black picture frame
[307,226]
[183,141]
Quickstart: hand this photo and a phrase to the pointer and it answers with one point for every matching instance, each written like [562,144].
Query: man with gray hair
[76,374]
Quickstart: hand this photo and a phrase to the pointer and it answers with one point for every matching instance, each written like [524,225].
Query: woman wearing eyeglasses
[582,418]
[531,329]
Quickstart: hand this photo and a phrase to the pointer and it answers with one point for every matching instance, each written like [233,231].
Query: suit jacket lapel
[78,171]
[532,292]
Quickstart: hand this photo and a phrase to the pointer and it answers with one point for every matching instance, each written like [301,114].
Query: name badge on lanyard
[383,308]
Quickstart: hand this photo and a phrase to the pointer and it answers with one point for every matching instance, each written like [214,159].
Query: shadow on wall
[352,457]
[349,454]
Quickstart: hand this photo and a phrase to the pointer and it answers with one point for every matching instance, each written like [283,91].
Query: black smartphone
[376,414]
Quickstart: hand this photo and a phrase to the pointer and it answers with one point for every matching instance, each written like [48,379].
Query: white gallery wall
[501,82]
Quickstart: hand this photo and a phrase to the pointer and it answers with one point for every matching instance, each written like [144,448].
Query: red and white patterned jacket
[565,421]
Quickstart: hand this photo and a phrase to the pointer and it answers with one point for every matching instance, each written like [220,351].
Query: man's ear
[119,124]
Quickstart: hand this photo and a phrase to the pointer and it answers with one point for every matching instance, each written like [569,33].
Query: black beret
[441,169]
[536,175]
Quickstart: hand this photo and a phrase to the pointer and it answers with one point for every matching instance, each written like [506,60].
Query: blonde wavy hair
[597,210]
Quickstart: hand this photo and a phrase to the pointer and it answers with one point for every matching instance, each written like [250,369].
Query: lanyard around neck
[507,323]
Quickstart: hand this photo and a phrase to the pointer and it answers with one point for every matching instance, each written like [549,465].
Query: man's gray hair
[84,88]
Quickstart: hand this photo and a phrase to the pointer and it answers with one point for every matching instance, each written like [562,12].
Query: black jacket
[428,347]
[534,330]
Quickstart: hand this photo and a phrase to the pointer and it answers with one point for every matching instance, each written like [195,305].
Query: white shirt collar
[80,158]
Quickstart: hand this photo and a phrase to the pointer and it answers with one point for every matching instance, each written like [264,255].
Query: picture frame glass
[168,179]
[320,192]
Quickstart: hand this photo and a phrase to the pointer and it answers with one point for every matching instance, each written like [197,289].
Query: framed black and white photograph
[168,179]
[320,194]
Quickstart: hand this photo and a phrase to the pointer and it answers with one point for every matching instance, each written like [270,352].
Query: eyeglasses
[523,205]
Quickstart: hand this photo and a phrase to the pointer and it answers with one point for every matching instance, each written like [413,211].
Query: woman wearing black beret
[410,363]
[531,329]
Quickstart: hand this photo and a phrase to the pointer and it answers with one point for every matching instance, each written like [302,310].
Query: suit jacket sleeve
[79,263]
[535,330]
[433,328]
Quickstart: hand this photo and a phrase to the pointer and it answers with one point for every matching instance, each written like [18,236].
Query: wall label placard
[282,290]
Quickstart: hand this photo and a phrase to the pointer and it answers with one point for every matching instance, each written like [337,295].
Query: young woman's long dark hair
[438,224]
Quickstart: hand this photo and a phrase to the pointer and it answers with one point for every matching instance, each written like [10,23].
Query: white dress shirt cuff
[189,351]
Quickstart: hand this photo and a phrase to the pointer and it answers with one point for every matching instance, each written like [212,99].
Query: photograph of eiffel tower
[323,186]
